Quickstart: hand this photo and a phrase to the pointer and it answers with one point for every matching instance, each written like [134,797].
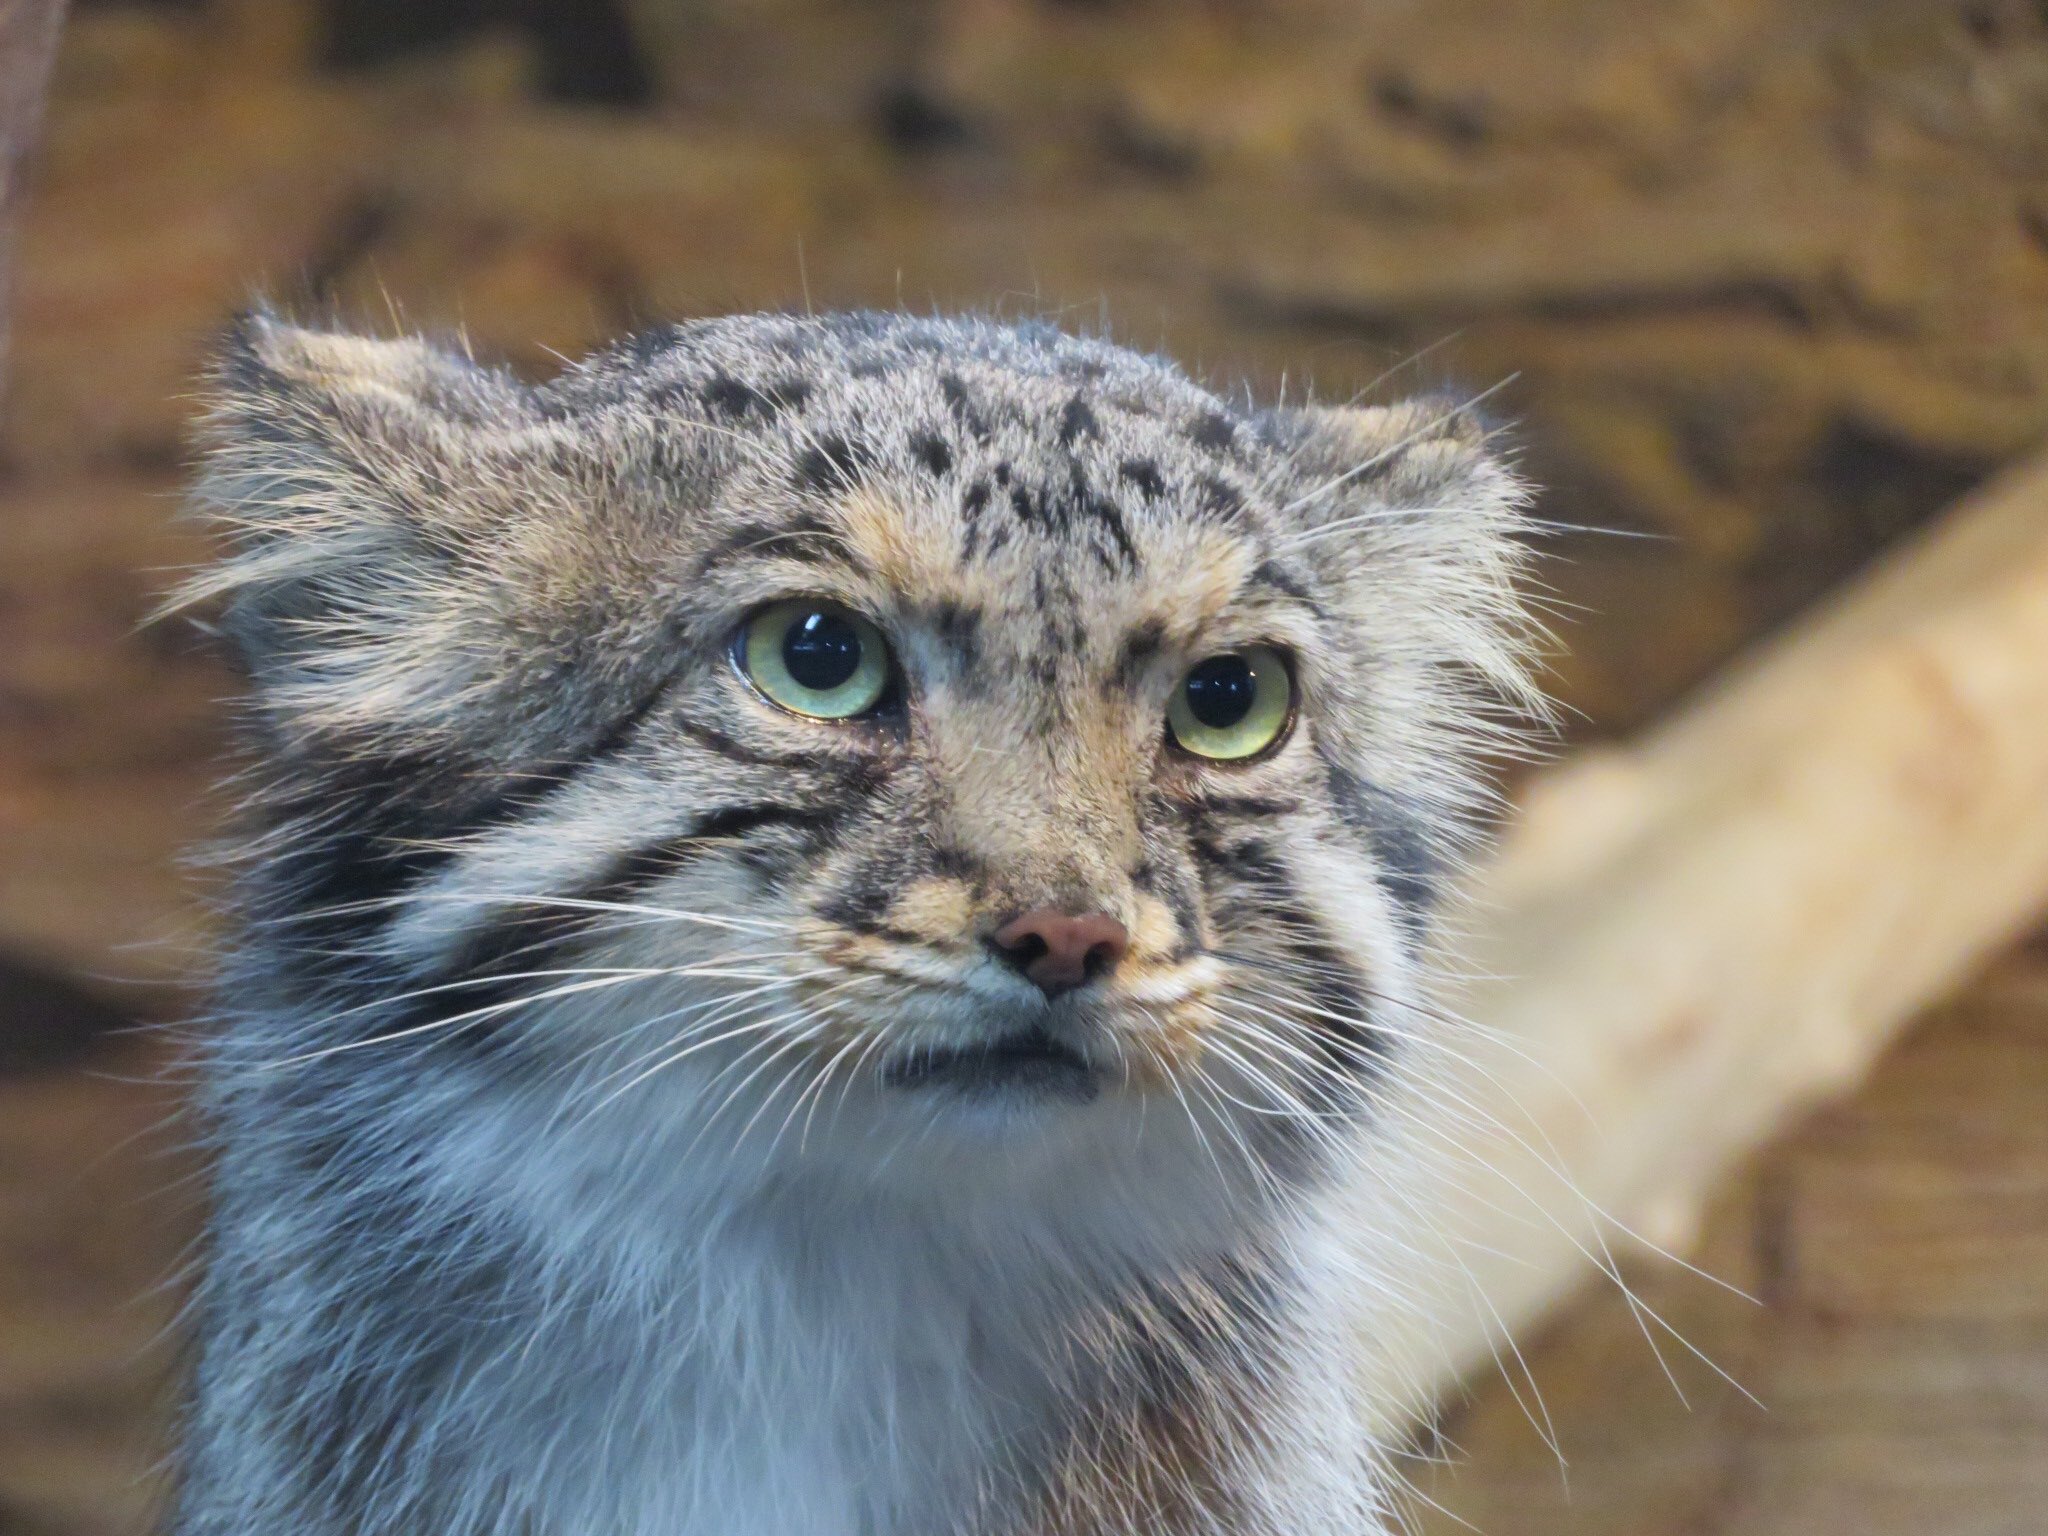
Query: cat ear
[338,470]
[1411,513]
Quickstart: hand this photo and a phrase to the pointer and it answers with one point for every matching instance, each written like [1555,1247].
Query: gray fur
[562,1189]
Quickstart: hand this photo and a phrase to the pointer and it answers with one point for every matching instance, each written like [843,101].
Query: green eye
[1232,706]
[815,658]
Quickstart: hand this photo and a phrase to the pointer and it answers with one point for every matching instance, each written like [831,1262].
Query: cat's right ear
[338,472]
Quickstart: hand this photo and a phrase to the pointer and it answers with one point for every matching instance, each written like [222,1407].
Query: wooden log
[1683,943]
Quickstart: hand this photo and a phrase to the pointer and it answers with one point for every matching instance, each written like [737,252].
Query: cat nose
[1057,953]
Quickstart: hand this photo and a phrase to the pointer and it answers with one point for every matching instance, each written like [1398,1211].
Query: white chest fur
[805,1355]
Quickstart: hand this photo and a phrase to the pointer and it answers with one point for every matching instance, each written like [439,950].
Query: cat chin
[1007,1115]
[1021,1108]
[1025,1065]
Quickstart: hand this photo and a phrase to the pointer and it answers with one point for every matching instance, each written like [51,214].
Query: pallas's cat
[830,906]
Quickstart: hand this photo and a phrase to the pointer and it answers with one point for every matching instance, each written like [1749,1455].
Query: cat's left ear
[1412,516]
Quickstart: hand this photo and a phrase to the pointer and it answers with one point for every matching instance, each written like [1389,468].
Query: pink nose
[1058,953]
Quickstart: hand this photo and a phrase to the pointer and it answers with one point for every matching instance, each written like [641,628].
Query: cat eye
[815,658]
[1232,706]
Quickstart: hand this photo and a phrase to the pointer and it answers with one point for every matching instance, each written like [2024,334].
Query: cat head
[942,718]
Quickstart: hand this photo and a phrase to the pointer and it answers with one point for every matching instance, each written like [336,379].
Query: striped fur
[569,1177]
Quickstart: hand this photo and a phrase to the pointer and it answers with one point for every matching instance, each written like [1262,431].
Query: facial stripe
[807,537]
[1253,891]
[717,742]
[860,897]
[1397,836]
[401,819]
[1271,574]
[490,969]
[1176,887]
[1250,805]
[731,827]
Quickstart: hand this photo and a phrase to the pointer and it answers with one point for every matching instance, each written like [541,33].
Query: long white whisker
[457,1021]
[1428,427]
[721,1008]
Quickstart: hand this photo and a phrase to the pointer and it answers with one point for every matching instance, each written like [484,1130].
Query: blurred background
[1765,280]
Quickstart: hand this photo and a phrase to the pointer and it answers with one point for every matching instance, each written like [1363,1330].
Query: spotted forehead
[1042,593]
[1007,493]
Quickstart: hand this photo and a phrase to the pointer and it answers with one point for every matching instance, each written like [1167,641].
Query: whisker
[1391,449]
[724,1008]
[458,1021]
[669,1059]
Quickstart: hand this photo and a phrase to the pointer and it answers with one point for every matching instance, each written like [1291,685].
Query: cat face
[927,720]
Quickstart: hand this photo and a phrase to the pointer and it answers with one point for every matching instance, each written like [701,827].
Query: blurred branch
[28,42]
[1699,937]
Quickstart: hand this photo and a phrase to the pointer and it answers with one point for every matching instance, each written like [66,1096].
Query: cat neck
[830,1348]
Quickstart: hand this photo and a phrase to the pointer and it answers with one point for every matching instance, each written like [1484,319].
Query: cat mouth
[1029,1062]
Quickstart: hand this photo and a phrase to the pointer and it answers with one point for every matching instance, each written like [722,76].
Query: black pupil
[821,651]
[1221,691]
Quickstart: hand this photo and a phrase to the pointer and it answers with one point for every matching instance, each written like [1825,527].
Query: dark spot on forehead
[832,464]
[1076,422]
[796,341]
[563,458]
[961,403]
[649,345]
[932,453]
[730,397]
[1212,429]
[1144,474]
[1119,553]
[973,501]
[1220,498]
